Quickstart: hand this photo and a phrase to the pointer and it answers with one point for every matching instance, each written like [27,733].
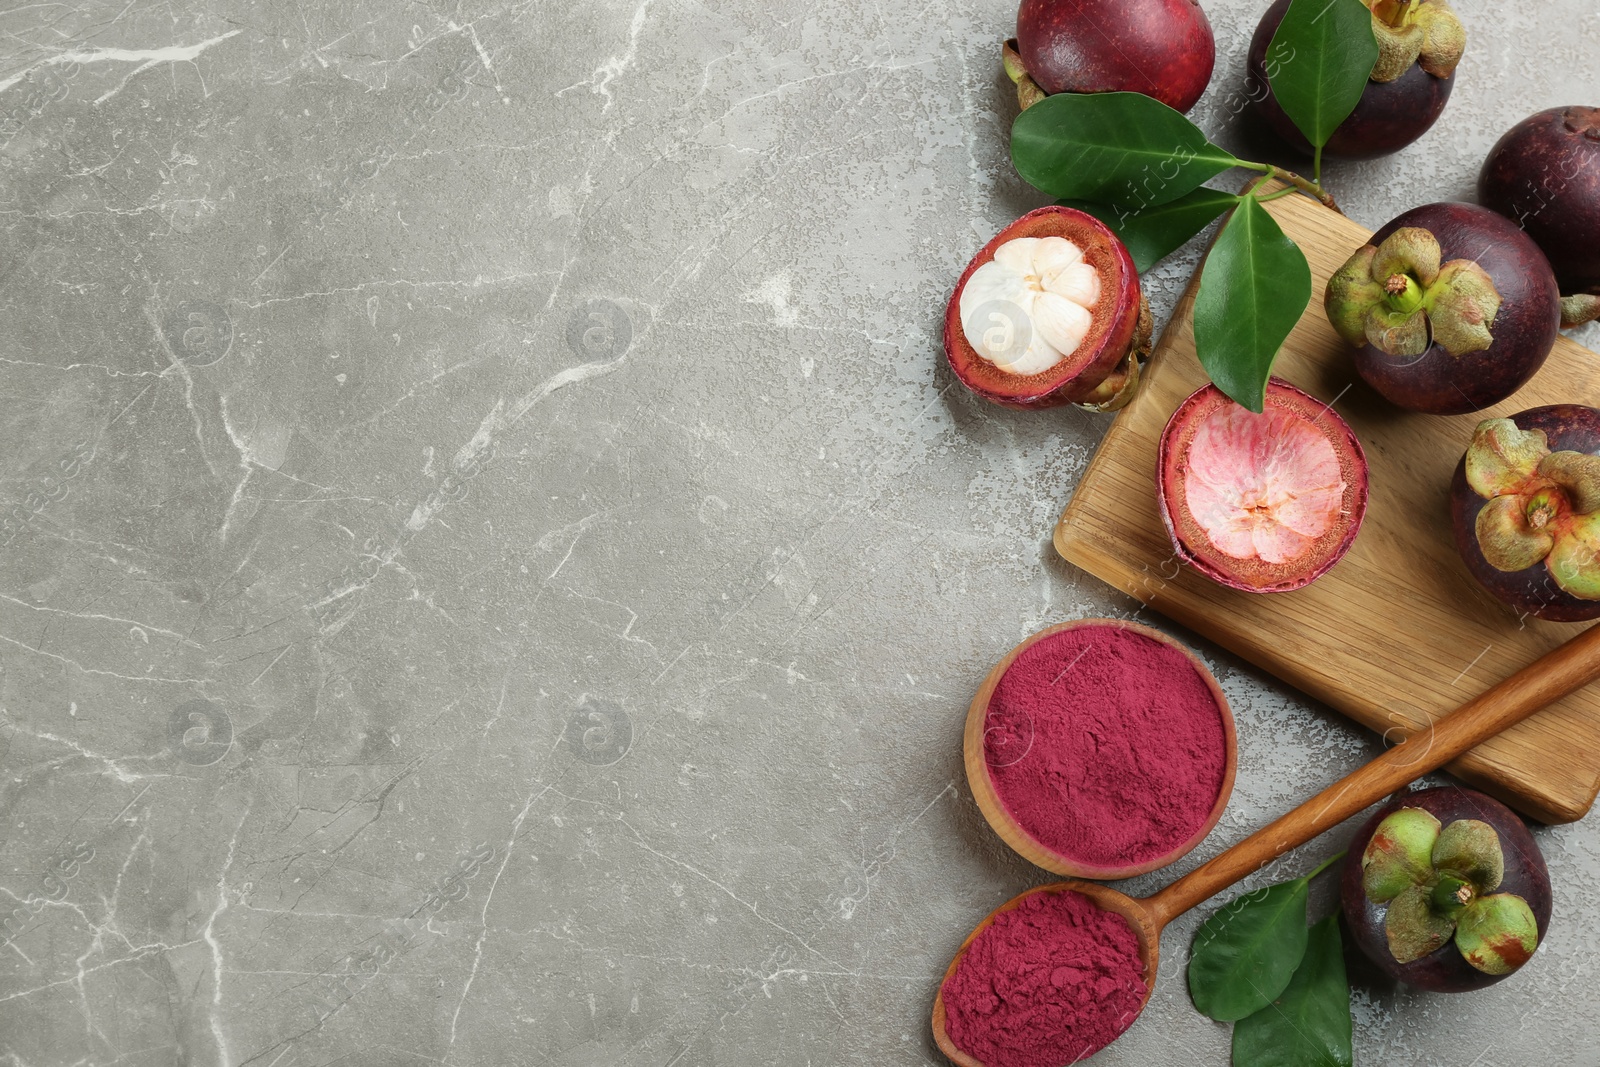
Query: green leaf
[1253,289]
[1113,148]
[1319,62]
[1156,232]
[1309,1024]
[1245,954]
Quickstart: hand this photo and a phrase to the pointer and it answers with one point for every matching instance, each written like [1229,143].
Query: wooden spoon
[1559,672]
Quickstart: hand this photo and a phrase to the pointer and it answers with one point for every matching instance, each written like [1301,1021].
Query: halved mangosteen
[1049,312]
[1264,503]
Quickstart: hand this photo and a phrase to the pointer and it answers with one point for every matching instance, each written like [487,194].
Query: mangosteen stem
[1310,188]
[1452,894]
[1279,195]
[1541,509]
[1405,295]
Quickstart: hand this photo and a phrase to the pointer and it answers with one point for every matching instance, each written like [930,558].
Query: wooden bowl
[1139,919]
[1024,843]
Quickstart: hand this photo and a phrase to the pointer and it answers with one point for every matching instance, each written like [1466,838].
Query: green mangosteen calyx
[1578,309]
[1416,31]
[1399,298]
[1028,91]
[1439,883]
[1542,505]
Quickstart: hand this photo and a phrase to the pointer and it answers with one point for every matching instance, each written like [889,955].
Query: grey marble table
[494,567]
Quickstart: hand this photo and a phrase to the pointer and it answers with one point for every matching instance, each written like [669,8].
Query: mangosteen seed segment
[1445,889]
[1265,502]
[1544,175]
[1161,48]
[1450,308]
[1046,279]
[1049,312]
[1395,109]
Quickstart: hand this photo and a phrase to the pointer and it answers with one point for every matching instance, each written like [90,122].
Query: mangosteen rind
[1164,49]
[1206,447]
[1544,175]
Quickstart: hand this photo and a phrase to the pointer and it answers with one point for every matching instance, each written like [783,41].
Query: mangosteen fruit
[1050,312]
[1544,175]
[1263,503]
[1446,890]
[1419,44]
[1161,48]
[1525,506]
[1451,308]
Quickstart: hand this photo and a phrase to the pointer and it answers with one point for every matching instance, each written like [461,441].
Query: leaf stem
[1316,165]
[1329,862]
[1310,188]
[1280,194]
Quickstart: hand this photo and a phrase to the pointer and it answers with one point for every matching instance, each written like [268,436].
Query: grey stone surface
[501,567]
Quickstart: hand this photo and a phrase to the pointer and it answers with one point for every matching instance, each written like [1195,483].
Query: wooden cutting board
[1398,632]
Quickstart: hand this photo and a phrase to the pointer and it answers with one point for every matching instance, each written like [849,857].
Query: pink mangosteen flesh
[1263,503]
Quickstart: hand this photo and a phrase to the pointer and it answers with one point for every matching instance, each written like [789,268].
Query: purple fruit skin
[1544,175]
[1444,970]
[1390,115]
[1161,48]
[1570,428]
[1524,331]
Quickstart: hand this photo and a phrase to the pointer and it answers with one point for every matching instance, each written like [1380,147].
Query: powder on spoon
[1105,745]
[1048,983]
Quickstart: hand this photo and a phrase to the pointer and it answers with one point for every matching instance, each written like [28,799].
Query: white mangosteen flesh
[1031,306]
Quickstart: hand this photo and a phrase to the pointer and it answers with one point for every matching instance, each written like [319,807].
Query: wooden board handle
[1559,672]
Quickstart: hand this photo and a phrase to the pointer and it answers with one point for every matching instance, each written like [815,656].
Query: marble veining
[493,563]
